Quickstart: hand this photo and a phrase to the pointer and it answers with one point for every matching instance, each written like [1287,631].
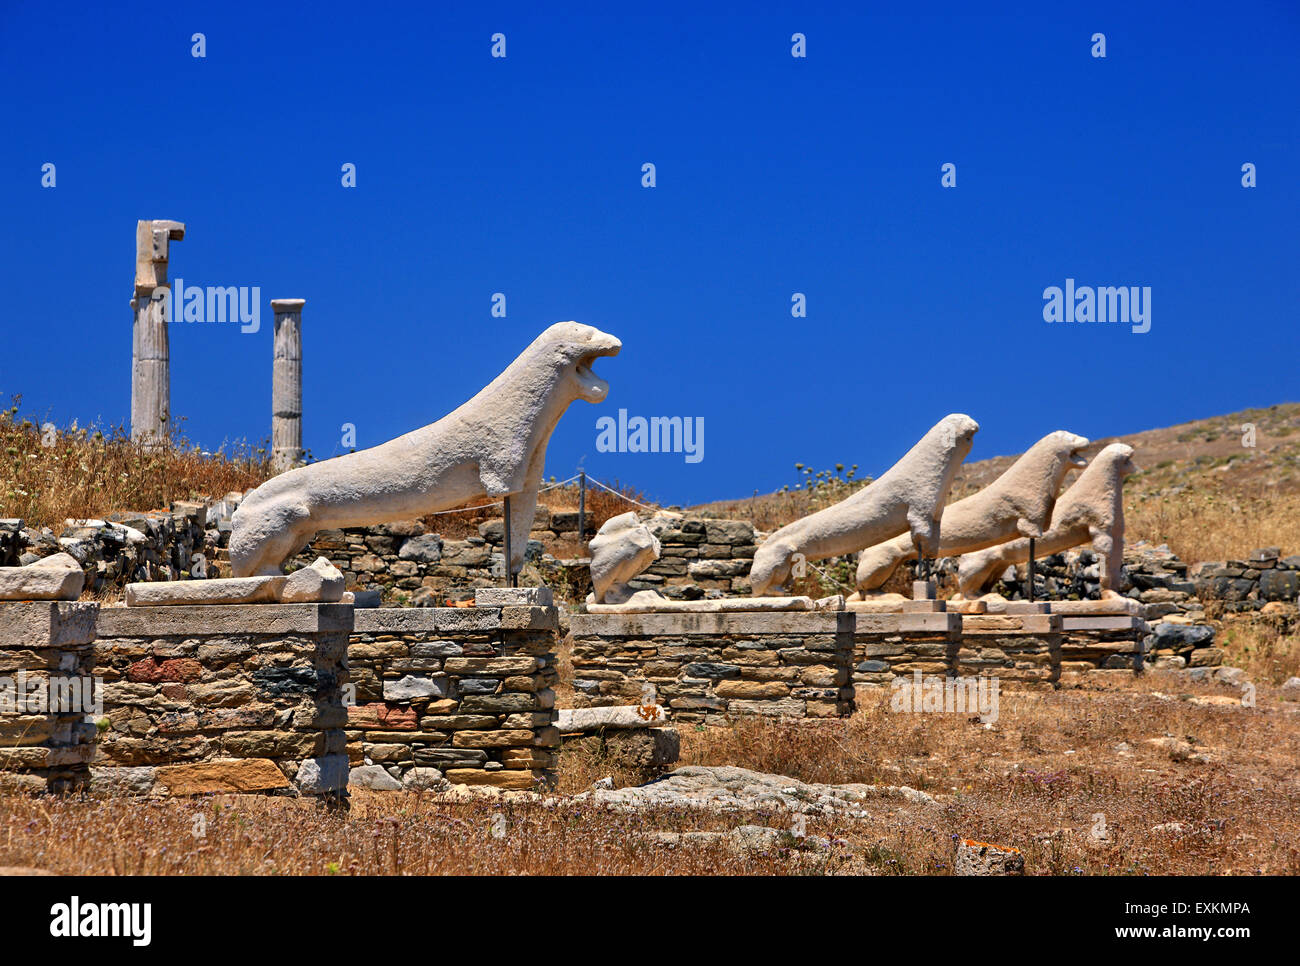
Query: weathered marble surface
[1017,503]
[908,497]
[494,445]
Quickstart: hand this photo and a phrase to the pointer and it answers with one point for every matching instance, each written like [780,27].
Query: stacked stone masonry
[701,666]
[1249,585]
[231,698]
[463,695]
[45,662]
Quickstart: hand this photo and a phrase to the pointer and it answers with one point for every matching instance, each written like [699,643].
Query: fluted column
[150,353]
[286,385]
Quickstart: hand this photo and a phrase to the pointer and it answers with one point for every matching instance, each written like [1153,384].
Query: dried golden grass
[47,476]
[1056,770]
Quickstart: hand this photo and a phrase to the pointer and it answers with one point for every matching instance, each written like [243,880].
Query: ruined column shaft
[150,353]
[286,385]
[150,370]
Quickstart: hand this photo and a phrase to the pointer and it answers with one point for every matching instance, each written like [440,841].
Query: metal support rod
[1029,579]
[510,573]
[582,507]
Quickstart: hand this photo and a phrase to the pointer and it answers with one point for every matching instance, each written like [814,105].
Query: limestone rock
[413,688]
[319,583]
[373,777]
[573,720]
[328,773]
[981,858]
[423,778]
[56,577]
[727,788]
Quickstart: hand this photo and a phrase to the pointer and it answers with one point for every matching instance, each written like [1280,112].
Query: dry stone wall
[233,698]
[701,666]
[453,694]
[1249,585]
[45,743]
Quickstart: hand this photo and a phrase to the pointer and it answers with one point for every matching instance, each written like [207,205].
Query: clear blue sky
[775,175]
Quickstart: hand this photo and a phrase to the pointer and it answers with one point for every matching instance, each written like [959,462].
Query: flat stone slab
[1011,624]
[875,603]
[1102,623]
[728,788]
[47,623]
[898,623]
[625,716]
[513,596]
[940,623]
[415,620]
[1124,606]
[640,604]
[1018,607]
[925,606]
[740,624]
[196,620]
[56,577]
[228,590]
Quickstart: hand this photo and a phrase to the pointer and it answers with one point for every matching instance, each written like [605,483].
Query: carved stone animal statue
[1092,509]
[909,496]
[1019,502]
[622,548]
[494,445]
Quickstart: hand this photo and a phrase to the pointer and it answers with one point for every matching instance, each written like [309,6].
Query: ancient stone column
[150,356]
[286,385]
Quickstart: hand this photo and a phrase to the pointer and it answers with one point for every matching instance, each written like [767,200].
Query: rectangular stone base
[223,698]
[456,693]
[47,696]
[701,666]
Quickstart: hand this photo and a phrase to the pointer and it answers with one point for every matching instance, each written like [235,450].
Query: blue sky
[775,175]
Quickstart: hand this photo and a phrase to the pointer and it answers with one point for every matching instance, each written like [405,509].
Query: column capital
[282,306]
[152,236]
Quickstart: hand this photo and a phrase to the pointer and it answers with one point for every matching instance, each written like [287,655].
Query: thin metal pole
[510,575]
[1029,580]
[582,507]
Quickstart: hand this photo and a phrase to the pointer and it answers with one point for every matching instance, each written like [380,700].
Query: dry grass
[1055,769]
[464,521]
[1265,646]
[1215,522]
[49,476]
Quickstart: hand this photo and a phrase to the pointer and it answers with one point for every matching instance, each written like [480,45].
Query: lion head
[572,348]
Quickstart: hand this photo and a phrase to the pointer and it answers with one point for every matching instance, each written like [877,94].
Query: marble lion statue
[1092,509]
[908,497]
[492,446]
[1017,503]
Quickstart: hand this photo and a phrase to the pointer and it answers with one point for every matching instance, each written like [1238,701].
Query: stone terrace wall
[125,547]
[461,694]
[1247,585]
[232,698]
[43,749]
[418,566]
[706,665]
[700,558]
[888,645]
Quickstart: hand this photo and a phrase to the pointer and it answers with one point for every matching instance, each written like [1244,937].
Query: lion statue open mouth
[494,445]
